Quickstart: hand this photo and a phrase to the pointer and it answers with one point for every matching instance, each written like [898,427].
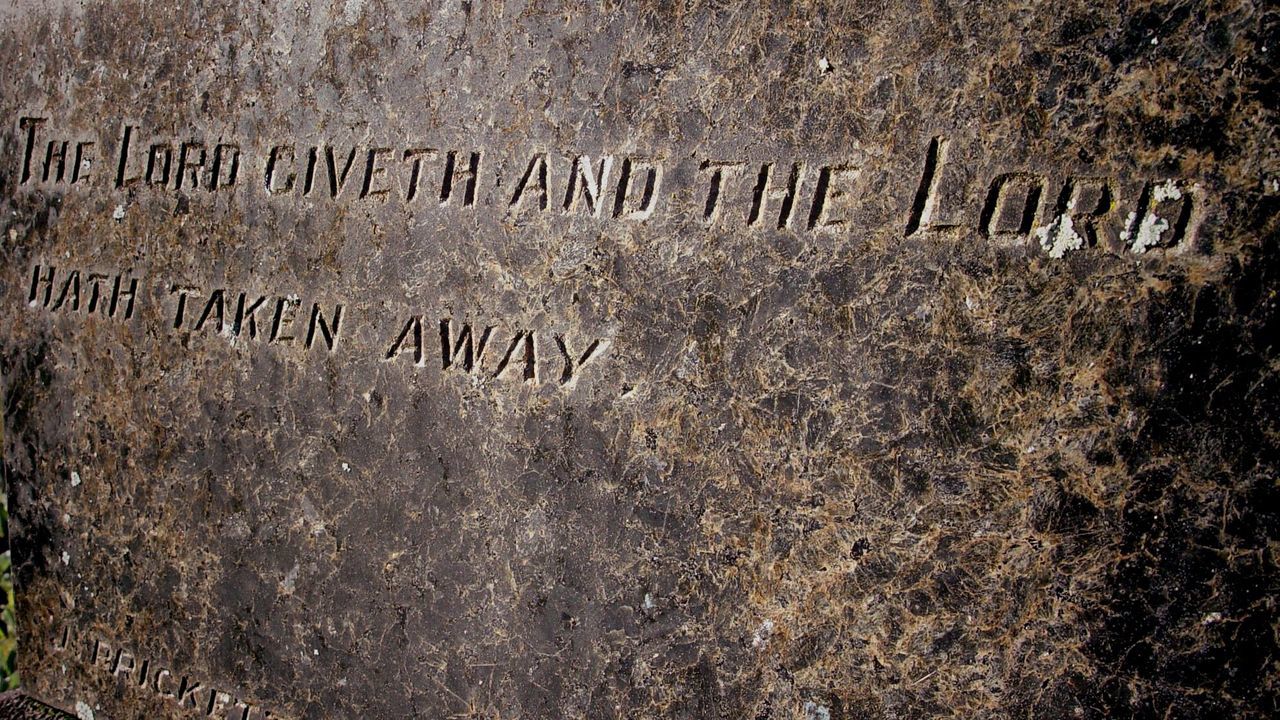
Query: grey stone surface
[641,360]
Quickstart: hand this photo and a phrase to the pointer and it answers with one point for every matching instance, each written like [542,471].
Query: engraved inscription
[491,351]
[85,292]
[138,673]
[1019,206]
[792,195]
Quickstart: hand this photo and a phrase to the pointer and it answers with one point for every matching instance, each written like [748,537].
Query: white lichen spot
[689,362]
[290,580]
[648,601]
[346,467]
[762,633]
[1211,618]
[1128,223]
[119,212]
[824,65]
[1168,190]
[83,711]
[351,10]
[66,558]
[814,711]
[1149,232]
[1059,237]
[75,479]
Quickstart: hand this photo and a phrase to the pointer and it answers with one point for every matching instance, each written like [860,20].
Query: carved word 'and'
[197,698]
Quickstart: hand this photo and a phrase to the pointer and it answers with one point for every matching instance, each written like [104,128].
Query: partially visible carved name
[141,674]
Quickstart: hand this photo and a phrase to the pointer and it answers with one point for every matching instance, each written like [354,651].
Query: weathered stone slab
[629,360]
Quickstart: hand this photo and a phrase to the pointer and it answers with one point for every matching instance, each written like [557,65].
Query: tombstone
[612,360]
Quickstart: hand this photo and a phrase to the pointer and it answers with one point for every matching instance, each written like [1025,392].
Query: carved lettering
[1163,218]
[30,125]
[280,162]
[187,692]
[717,172]
[410,339]
[246,315]
[1012,202]
[535,173]
[528,357]
[786,195]
[338,178]
[926,213]
[760,195]
[375,175]
[415,157]
[71,286]
[586,184]
[283,319]
[214,307]
[452,174]
[191,159]
[470,349]
[571,365]
[325,329]
[834,185]
[636,200]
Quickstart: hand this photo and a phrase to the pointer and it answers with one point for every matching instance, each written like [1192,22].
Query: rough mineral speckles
[837,474]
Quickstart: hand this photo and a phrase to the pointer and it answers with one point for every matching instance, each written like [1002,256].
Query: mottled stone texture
[877,469]
[16,706]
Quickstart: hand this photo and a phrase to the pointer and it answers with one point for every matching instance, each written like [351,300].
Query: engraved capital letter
[29,124]
[126,141]
[187,692]
[583,182]
[471,350]
[711,209]
[183,292]
[833,185]
[537,173]
[327,332]
[624,206]
[412,333]
[373,173]
[225,155]
[924,210]
[39,279]
[277,154]
[452,175]
[415,169]
[570,366]
[787,195]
